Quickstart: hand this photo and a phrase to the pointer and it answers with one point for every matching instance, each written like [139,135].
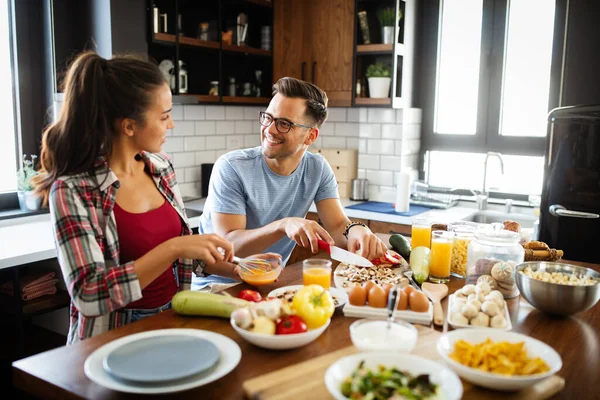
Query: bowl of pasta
[498,360]
[558,288]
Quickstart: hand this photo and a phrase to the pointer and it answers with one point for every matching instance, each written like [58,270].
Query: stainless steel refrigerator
[570,207]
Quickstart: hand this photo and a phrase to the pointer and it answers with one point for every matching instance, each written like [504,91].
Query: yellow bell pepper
[314,305]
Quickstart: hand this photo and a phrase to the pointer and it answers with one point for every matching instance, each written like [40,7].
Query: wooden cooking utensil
[436,292]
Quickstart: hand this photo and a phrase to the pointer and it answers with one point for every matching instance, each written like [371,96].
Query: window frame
[487,137]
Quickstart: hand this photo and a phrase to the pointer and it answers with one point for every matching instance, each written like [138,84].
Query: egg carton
[455,325]
[369,312]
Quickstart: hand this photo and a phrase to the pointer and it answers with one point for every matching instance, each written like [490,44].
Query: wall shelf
[202,98]
[247,100]
[189,41]
[263,3]
[367,101]
[374,48]
[165,37]
[246,49]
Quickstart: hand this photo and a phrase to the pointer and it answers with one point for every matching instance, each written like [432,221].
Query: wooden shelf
[165,37]
[263,3]
[248,100]
[374,48]
[246,49]
[189,41]
[367,101]
[37,306]
[203,98]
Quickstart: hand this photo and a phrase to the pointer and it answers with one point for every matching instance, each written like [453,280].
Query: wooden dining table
[59,373]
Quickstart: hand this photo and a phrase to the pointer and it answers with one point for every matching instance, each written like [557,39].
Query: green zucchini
[187,302]
[401,245]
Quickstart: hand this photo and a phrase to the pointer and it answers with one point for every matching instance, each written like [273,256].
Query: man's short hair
[316,99]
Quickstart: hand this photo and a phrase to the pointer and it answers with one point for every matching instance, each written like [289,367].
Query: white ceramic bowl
[280,342]
[374,335]
[450,384]
[535,348]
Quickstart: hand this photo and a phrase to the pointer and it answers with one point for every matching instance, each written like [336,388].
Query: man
[258,197]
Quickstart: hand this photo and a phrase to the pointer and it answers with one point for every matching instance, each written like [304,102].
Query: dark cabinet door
[291,39]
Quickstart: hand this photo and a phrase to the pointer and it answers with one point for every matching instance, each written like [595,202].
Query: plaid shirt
[81,208]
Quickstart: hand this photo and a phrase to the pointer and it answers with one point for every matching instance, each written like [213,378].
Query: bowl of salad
[381,375]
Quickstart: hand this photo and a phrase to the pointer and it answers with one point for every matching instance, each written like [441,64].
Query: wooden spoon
[436,292]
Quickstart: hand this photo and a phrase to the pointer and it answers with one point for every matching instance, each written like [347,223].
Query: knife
[344,256]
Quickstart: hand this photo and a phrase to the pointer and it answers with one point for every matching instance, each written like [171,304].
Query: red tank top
[140,233]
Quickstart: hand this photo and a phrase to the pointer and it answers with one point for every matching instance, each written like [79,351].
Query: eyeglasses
[282,125]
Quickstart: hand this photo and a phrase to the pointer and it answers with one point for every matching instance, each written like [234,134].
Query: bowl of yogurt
[378,335]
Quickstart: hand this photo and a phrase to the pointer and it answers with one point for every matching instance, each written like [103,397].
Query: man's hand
[306,232]
[370,246]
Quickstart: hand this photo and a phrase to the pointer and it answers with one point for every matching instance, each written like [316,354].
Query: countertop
[29,239]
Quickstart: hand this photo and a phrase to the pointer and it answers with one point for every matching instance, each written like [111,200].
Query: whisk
[255,266]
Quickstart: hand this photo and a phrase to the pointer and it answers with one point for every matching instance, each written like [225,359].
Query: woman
[123,240]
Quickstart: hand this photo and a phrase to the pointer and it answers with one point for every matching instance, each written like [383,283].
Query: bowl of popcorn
[558,288]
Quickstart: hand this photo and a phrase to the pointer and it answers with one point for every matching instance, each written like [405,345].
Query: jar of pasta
[462,237]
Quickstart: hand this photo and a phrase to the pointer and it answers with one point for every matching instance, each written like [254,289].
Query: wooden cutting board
[306,380]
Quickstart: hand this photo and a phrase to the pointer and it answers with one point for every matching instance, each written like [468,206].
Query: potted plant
[379,75]
[28,201]
[387,17]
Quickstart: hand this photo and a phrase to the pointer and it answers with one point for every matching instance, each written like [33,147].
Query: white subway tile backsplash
[400,116]
[373,191]
[362,146]
[387,194]
[317,144]
[183,160]
[193,174]
[193,112]
[352,143]
[385,178]
[180,174]
[382,115]
[251,140]
[347,129]
[235,142]
[205,157]
[362,173]
[391,163]
[391,131]
[251,113]
[377,146]
[192,189]
[173,145]
[334,142]
[246,127]
[327,129]
[371,131]
[225,127]
[215,143]
[408,147]
[215,112]
[219,153]
[366,161]
[205,128]
[184,128]
[195,143]
[234,112]
[177,112]
[357,115]
[336,114]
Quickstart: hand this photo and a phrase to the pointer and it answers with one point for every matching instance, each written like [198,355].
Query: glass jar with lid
[495,252]
[463,234]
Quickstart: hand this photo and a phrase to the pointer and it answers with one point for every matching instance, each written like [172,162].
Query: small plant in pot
[387,17]
[379,75]
[28,201]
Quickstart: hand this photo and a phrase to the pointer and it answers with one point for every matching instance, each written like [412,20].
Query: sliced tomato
[250,295]
[387,258]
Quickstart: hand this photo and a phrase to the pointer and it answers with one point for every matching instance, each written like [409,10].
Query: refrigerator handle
[559,211]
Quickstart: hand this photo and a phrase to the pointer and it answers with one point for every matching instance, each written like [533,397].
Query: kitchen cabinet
[314,42]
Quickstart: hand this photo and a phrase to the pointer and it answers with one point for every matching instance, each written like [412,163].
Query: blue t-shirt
[242,183]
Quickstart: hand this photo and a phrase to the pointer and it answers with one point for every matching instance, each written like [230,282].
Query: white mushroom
[457,304]
[498,321]
[476,296]
[469,310]
[481,320]
[458,318]
[495,299]
[468,289]
[490,308]
[476,303]
[483,288]
[496,293]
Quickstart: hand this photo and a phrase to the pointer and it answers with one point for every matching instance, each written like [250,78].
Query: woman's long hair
[97,94]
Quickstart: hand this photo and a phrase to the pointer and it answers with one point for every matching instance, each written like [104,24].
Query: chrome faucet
[483,198]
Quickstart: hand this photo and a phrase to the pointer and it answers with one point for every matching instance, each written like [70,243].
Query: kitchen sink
[489,216]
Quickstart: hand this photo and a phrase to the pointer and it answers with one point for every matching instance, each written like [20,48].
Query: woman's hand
[210,248]
[263,256]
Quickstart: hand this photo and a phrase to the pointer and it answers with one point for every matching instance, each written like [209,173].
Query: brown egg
[357,296]
[408,290]
[418,302]
[377,297]
[402,301]
[368,285]
[387,287]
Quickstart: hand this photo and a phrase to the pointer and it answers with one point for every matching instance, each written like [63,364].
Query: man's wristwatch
[350,225]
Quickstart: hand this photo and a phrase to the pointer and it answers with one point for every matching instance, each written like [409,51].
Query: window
[8,137]
[497,76]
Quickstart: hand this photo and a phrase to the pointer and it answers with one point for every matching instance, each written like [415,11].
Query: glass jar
[495,252]
[463,234]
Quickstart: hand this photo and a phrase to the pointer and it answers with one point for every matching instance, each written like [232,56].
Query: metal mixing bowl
[554,298]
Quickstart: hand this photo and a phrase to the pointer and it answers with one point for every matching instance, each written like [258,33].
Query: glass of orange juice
[441,256]
[421,233]
[317,271]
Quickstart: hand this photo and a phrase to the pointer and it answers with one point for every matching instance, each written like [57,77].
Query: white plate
[535,348]
[456,325]
[339,280]
[338,294]
[229,357]
[450,384]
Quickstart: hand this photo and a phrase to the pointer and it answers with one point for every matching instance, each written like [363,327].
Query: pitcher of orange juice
[440,257]
[317,271]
